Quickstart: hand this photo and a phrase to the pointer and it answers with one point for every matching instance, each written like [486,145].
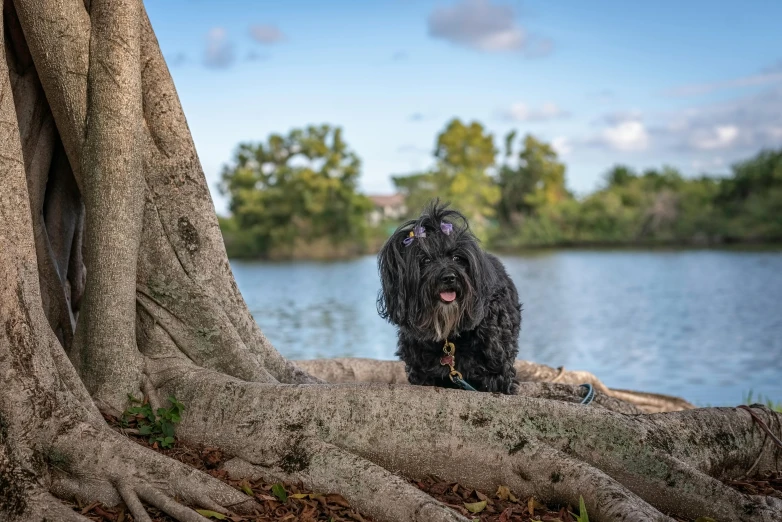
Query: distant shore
[323,252]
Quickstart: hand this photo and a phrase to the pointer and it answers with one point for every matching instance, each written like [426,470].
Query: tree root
[367,486]
[350,370]
[569,479]
[483,441]
[46,507]
[101,465]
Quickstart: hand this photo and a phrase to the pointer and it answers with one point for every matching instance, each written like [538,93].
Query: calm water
[705,325]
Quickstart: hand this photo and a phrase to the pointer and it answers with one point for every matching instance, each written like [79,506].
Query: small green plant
[582,511]
[159,426]
[750,398]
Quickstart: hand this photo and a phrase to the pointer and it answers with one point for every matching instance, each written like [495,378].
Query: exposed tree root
[46,507]
[347,370]
[99,464]
[484,441]
[367,486]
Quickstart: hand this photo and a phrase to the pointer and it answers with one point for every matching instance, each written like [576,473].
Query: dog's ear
[391,265]
[482,269]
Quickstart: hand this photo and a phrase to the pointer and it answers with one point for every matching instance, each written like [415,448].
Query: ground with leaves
[288,502]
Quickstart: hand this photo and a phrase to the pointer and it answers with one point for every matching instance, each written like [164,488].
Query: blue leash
[590,396]
[449,360]
[461,383]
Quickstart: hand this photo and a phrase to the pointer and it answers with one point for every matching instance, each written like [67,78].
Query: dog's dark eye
[426,261]
[457,259]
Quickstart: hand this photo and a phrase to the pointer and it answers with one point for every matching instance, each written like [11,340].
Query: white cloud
[735,128]
[622,131]
[219,50]
[266,34]
[739,126]
[718,137]
[562,145]
[523,112]
[481,25]
[626,136]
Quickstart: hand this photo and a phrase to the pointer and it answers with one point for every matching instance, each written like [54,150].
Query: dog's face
[434,282]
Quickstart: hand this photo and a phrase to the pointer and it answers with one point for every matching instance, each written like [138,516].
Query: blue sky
[695,84]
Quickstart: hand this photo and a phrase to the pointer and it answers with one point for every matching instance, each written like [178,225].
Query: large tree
[114,281]
[462,174]
[535,181]
[294,191]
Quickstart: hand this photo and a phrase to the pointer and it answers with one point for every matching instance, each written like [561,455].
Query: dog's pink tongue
[447,296]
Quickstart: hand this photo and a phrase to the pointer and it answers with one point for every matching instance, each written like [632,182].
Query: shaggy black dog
[439,286]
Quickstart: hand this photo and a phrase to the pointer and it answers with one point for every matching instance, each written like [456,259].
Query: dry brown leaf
[505,515]
[504,493]
[533,504]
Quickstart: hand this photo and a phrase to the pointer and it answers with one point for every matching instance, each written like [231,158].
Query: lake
[705,325]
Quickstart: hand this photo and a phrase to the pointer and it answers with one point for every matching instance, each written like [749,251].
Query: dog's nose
[448,278]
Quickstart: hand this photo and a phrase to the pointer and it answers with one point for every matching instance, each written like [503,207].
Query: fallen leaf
[705,519]
[505,515]
[299,495]
[279,491]
[247,489]
[504,493]
[338,500]
[533,504]
[211,514]
[480,495]
[475,507]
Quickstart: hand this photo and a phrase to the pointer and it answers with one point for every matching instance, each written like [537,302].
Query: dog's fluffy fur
[483,321]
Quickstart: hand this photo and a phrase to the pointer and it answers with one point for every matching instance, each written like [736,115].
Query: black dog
[439,287]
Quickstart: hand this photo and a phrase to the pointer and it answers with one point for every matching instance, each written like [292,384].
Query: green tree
[751,200]
[293,190]
[620,175]
[535,182]
[462,174]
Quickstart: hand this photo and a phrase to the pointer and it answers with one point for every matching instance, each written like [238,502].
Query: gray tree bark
[98,165]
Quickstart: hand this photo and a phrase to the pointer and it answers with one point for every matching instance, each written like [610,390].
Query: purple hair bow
[447,228]
[417,232]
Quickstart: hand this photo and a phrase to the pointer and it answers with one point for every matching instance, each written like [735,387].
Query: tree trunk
[115,280]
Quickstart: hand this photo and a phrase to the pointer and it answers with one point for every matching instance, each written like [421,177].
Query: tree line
[296,196]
